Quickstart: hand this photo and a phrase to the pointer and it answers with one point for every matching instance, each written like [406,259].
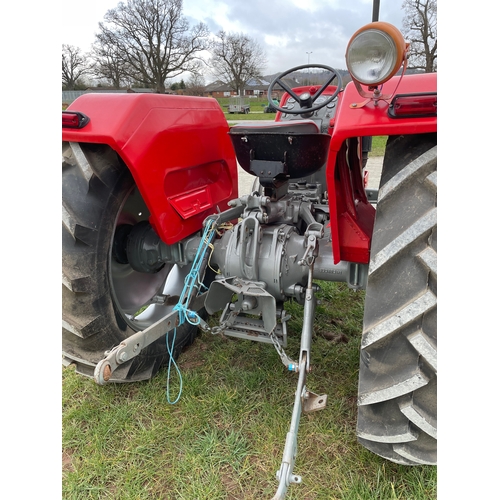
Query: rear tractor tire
[104,300]
[397,404]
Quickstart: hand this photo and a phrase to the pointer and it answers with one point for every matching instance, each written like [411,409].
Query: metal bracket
[252,298]
[314,402]
[133,345]
[314,232]
[372,195]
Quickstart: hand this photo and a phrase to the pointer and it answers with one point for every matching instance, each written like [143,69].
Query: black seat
[280,150]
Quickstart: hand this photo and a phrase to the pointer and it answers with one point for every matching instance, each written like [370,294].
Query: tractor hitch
[305,400]
[133,345]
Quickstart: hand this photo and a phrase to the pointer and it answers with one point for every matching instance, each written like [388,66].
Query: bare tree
[236,58]
[109,63]
[196,85]
[153,39]
[74,66]
[420,29]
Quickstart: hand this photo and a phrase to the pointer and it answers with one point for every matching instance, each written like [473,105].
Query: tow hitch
[305,400]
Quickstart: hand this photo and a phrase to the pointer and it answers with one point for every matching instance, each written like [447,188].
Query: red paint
[351,215]
[174,146]
[374,120]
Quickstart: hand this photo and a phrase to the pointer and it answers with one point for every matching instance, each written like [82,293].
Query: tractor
[156,238]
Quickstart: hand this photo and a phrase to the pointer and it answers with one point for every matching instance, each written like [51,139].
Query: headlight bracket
[374,92]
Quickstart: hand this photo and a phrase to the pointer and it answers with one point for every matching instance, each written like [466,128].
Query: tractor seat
[280,150]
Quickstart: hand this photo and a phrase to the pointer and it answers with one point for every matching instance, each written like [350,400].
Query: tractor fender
[177,149]
[351,215]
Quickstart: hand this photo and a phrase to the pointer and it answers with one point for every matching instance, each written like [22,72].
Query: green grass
[224,439]
[378,145]
[257,104]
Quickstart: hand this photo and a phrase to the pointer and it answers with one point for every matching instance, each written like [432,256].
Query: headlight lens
[375,53]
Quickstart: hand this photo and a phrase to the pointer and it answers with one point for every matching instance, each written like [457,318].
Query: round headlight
[375,53]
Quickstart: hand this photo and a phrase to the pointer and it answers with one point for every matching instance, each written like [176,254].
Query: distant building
[255,87]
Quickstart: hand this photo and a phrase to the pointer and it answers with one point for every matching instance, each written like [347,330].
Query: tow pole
[305,400]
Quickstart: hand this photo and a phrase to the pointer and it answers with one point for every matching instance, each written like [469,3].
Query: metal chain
[222,326]
[289,363]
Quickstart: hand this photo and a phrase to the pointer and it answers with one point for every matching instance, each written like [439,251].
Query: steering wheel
[306,100]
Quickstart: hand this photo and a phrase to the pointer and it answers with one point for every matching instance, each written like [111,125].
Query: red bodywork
[177,149]
[183,162]
[352,216]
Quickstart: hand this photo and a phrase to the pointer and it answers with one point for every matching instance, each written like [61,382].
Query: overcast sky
[286,29]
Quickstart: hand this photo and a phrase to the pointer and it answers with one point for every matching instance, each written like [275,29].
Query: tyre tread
[94,182]
[398,359]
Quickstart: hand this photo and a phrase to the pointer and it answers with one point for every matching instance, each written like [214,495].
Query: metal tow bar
[133,345]
[304,399]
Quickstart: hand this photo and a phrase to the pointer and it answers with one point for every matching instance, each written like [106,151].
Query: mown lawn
[224,438]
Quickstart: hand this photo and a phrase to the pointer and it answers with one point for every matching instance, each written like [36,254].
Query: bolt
[123,356]
[106,373]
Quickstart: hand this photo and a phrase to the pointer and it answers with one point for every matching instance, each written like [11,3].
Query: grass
[256,104]
[378,145]
[224,439]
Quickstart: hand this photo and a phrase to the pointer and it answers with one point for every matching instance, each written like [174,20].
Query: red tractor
[155,235]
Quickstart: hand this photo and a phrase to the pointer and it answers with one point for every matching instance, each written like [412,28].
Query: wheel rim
[132,291]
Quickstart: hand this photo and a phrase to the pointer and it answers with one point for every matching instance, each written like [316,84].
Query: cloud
[286,29]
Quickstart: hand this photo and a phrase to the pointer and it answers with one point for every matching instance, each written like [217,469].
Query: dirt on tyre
[104,300]
[397,403]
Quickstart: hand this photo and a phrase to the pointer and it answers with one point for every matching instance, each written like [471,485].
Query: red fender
[177,149]
[352,216]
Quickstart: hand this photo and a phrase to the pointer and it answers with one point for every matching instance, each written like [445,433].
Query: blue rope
[170,362]
[191,282]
